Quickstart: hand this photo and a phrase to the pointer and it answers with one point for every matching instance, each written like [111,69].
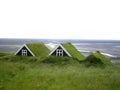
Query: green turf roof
[104,59]
[39,49]
[73,51]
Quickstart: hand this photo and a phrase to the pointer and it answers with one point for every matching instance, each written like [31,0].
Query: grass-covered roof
[39,49]
[104,59]
[73,51]
[97,59]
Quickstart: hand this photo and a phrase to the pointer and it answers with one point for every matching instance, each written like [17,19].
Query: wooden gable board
[60,46]
[26,48]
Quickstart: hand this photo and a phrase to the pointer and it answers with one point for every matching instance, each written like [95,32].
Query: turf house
[40,49]
[66,49]
[33,49]
[59,51]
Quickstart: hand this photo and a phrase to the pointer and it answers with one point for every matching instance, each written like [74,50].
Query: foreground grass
[43,76]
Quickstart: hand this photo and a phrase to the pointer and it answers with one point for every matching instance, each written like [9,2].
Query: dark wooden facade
[62,52]
[28,53]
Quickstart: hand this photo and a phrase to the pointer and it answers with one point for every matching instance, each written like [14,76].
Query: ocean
[109,48]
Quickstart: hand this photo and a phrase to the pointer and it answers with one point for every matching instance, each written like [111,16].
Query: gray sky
[60,19]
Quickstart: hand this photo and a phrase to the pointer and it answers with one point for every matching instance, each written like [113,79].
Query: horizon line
[63,39]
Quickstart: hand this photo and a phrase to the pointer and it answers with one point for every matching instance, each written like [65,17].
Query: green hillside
[39,49]
[73,51]
[42,76]
[57,73]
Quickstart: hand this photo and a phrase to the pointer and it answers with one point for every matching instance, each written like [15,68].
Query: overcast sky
[60,19]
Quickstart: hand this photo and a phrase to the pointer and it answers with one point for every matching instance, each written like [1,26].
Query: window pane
[59,52]
[24,52]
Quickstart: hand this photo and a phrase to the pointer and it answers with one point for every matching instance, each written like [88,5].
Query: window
[59,52]
[24,52]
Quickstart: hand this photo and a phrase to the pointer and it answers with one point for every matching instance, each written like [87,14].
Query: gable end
[24,51]
[60,51]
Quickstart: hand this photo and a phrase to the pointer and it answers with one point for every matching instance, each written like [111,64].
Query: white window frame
[24,52]
[59,52]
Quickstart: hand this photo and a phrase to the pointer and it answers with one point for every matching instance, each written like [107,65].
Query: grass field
[32,74]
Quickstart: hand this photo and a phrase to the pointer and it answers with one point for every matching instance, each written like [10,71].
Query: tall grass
[44,76]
